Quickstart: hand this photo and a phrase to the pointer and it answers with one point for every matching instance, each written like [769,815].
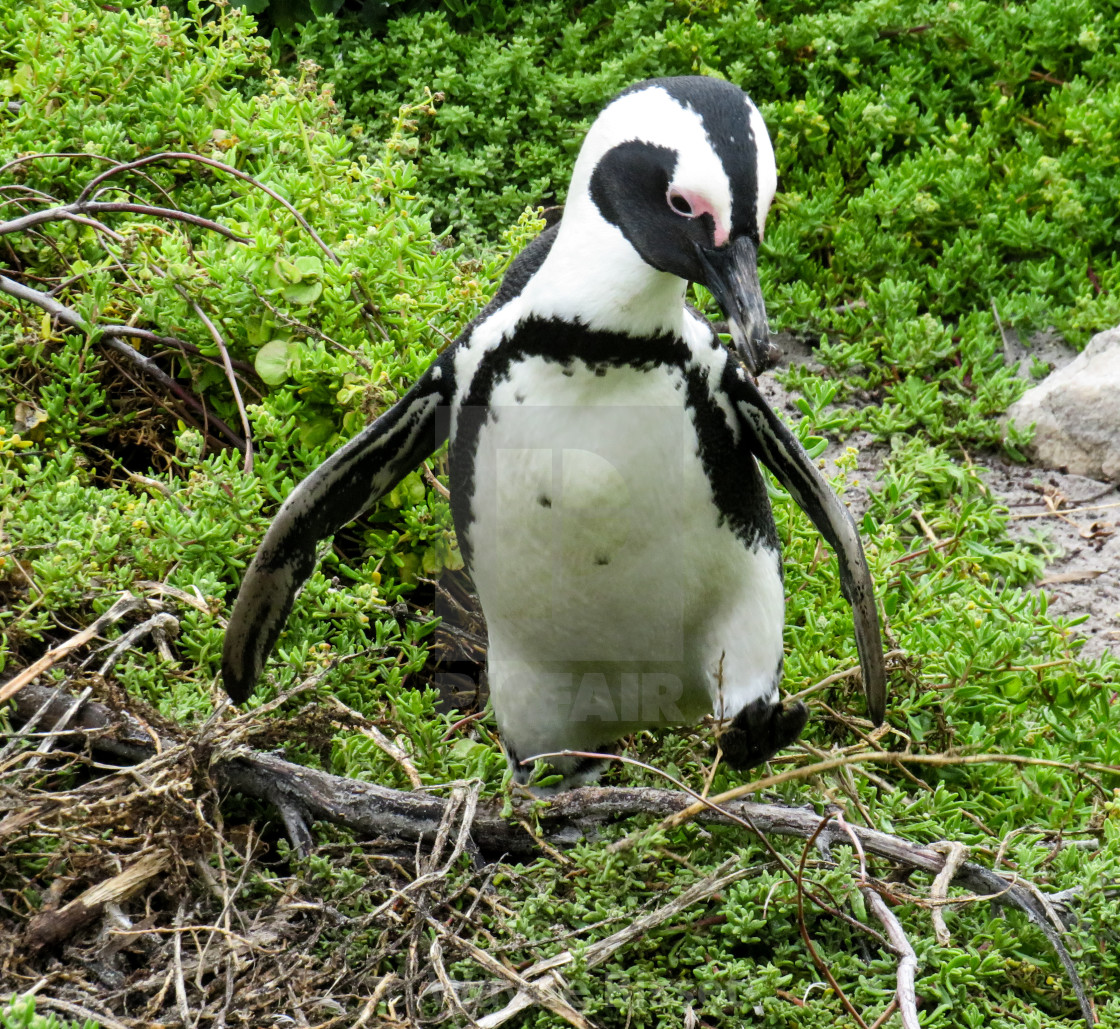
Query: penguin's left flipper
[350,481]
[781,452]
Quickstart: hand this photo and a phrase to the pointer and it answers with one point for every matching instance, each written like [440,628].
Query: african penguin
[603,457]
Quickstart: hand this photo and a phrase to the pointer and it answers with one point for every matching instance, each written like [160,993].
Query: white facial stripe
[653,116]
[766,172]
[592,273]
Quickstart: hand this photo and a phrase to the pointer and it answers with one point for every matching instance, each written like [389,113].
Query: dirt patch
[1075,519]
[1078,521]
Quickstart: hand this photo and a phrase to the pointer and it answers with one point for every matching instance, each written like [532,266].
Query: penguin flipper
[781,452]
[351,480]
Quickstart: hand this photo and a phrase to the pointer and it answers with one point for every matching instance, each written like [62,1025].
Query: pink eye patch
[691,205]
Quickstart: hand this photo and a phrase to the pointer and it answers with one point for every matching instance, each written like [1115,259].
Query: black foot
[760,730]
[577,771]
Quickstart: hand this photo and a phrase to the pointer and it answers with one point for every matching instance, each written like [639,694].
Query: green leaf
[303,293]
[258,331]
[272,361]
[308,265]
[409,491]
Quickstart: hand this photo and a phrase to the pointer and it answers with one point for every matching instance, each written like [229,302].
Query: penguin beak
[731,275]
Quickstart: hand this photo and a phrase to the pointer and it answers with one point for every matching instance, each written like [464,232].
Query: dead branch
[78,210]
[168,341]
[85,206]
[905,996]
[376,811]
[231,378]
[876,757]
[126,604]
[799,881]
[77,1011]
[908,960]
[211,163]
[145,365]
[368,309]
[955,853]
[160,627]
[541,991]
[544,975]
[49,926]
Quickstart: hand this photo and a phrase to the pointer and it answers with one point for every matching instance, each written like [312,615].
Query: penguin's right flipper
[351,480]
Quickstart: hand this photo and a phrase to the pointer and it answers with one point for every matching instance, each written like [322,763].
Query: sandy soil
[1077,519]
[1083,576]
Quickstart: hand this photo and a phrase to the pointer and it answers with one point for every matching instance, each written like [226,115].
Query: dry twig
[374,811]
[125,605]
[50,925]
[954,853]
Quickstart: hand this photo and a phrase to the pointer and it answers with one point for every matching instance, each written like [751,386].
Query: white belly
[615,599]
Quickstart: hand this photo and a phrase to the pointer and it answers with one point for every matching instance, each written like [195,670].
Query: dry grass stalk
[126,604]
[210,955]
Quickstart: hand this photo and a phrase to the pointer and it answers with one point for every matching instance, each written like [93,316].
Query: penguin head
[683,168]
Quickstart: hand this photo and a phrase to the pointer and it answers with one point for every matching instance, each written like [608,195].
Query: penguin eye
[679,203]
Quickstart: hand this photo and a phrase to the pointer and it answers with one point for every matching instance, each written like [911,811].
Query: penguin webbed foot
[760,730]
[575,771]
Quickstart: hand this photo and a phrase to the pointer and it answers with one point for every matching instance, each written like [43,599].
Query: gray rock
[1076,412]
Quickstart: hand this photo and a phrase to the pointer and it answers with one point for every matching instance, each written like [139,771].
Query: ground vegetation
[223,254]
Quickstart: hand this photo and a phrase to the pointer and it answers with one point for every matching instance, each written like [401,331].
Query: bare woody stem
[211,163]
[375,810]
[145,365]
[82,208]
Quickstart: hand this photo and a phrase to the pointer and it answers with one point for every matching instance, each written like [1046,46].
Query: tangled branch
[305,794]
[87,210]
